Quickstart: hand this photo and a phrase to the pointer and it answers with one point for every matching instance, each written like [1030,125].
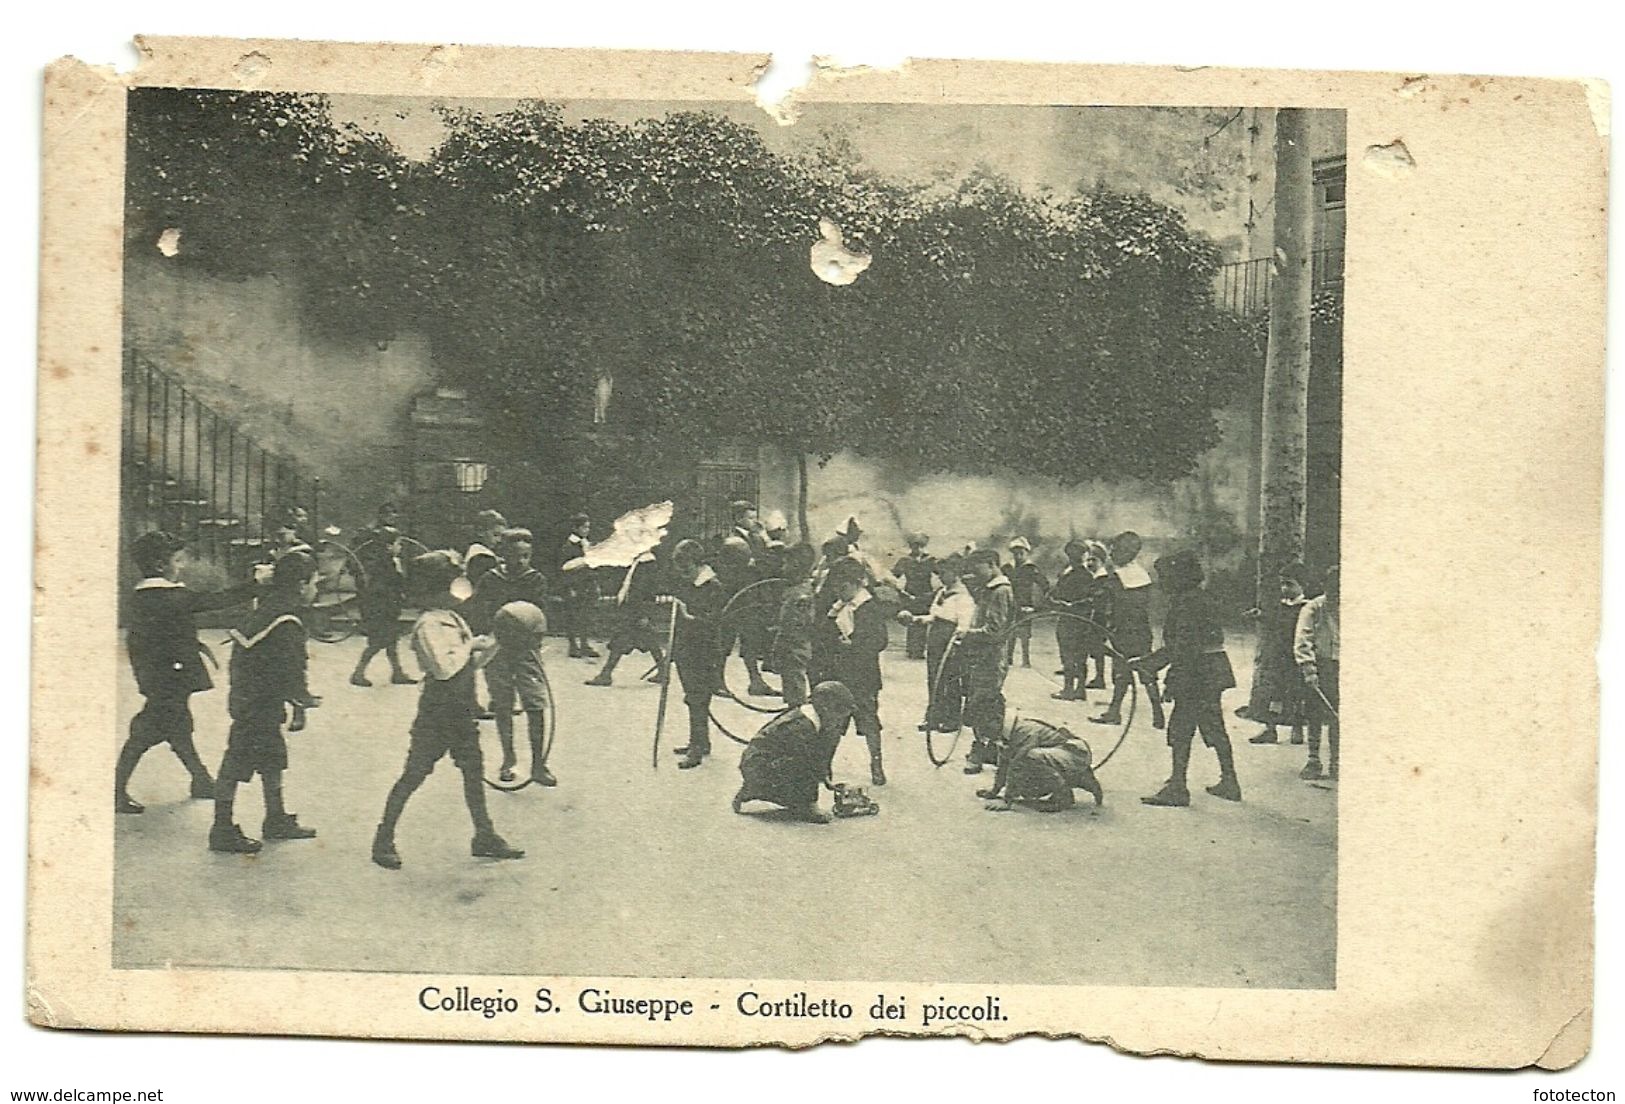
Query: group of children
[1295,677]
[965,614]
[828,626]
[269,692]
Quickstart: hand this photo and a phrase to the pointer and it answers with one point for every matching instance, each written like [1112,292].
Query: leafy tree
[1071,337]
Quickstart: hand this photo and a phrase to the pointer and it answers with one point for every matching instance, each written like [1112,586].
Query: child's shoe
[401,678]
[542,776]
[1268,736]
[285,827]
[877,775]
[489,845]
[1227,788]
[1172,795]
[1109,717]
[384,853]
[1311,771]
[124,803]
[230,839]
[600,679]
[360,680]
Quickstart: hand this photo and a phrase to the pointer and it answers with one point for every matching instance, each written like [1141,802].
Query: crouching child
[791,757]
[1040,764]
[448,653]
[268,674]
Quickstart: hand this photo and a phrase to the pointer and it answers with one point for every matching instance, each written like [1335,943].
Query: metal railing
[1244,286]
[193,471]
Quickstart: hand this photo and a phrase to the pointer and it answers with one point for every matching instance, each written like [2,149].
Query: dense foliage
[1070,337]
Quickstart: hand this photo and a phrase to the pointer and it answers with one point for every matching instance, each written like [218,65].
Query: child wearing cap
[167,659]
[1028,586]
[515,673]
[481,555]
[1198,675]
[268,671]
[449,653]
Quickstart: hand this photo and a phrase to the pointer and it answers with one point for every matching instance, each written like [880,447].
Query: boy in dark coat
[578,588]
[1198,675]
[1028,587]
[855,633]
[635,620]
[268,666]
[695,649]
[1080,592]
[914,572]
[513,579]
[383,595]
[747,625]
[793,629]
[167,659]
[1128,603]
[790,757]
[449,653]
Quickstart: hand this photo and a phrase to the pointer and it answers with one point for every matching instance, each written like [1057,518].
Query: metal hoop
[549,734]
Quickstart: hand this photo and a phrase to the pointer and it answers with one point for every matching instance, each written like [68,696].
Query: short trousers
[253,747]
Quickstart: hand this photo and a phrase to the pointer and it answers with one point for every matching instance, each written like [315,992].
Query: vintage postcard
[533,546]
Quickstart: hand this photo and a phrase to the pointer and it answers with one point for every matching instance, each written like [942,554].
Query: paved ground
[639,871]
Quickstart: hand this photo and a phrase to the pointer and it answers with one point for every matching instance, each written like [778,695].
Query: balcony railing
[1244,286]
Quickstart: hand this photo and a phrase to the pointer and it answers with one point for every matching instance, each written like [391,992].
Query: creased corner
[45,1011]
[1600,99]
[1571,1043]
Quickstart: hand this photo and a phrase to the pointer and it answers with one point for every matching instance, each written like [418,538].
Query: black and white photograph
[638,538]
[563,546]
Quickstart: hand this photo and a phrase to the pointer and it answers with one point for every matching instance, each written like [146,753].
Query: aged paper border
[1473,436]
